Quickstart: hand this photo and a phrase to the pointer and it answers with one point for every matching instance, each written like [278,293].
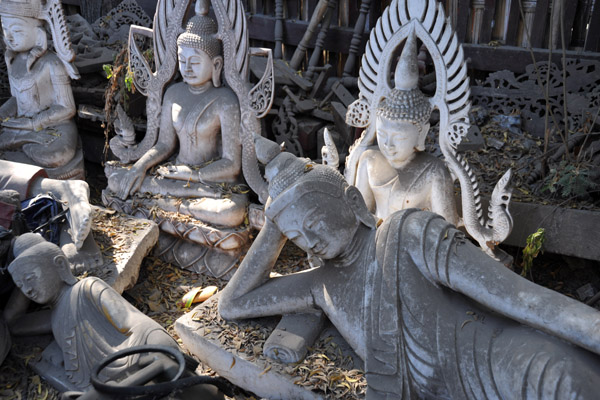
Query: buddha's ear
[422,136]
[356,201]
[41,40]
[217,68]
[64,269]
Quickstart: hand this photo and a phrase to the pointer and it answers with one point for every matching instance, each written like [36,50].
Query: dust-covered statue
[195,165]
[87,318]
[429,313]
[389,164]
[37,121]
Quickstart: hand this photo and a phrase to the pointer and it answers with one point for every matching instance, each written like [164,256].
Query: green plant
[535,241]
[568,180]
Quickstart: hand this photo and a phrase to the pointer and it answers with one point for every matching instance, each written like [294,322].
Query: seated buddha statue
[398,173]
[37,121]
[198,146]
[429,313]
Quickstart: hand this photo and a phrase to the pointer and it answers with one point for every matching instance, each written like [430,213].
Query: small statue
[430,314]
[394,112]
[37,121]
[399,174]
[88,319]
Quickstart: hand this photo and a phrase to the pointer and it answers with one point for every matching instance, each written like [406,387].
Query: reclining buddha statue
[431,315]
[388,163]
[194,168]
[37,121]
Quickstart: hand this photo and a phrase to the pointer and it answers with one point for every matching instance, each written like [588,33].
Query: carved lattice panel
[506,93]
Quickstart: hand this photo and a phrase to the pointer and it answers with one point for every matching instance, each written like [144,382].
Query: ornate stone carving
[423,307]
[38,126]
[211,122]
[398,105]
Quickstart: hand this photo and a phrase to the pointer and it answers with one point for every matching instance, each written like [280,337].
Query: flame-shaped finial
[407,70]
[202,7]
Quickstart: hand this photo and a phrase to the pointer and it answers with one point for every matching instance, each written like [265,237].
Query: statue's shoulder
[50,60]
[434,164]
[370,155]
[91,286]
[226,95]
[174,90]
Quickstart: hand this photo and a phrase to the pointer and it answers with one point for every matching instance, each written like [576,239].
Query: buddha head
[40,268]
[403,115]
[313,205]
[199,50]
[22,26]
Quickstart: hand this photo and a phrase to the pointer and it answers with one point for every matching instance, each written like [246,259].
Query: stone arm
[442,196]
[461,266]
[228,167]
[164,148]
[22,323]
[63,107]
[363,183]
[9,108]
[251,293]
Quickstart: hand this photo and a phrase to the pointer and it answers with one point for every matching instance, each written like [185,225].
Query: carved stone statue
[397,174]
[429,313]
[37,121]
[195,165]
[88,319]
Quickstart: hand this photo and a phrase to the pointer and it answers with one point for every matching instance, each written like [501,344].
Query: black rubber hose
[157,389]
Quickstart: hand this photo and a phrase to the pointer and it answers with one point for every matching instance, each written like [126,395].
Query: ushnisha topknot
[405,102]
[291,177]
[200,32]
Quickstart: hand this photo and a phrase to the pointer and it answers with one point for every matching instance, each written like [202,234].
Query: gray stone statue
[37,121]
[430,314]
[194,167]
[88,319]
[387,163]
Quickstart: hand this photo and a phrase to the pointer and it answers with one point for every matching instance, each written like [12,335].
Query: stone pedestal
[222,347]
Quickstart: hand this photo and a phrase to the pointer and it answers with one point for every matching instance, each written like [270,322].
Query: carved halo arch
[452,94]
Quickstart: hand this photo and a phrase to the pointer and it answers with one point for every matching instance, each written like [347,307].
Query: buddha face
[41,286]
[20,33]
[196,67]
[319,224]
[397,140]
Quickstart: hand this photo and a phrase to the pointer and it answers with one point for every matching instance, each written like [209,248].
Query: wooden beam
[261,27]
[462,23]
[489,9]
[487,58]
[540,23]
[512,28]
[592,41]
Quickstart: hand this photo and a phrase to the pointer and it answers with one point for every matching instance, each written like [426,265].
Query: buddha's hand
[131,182]
[19,123]
[178,172]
